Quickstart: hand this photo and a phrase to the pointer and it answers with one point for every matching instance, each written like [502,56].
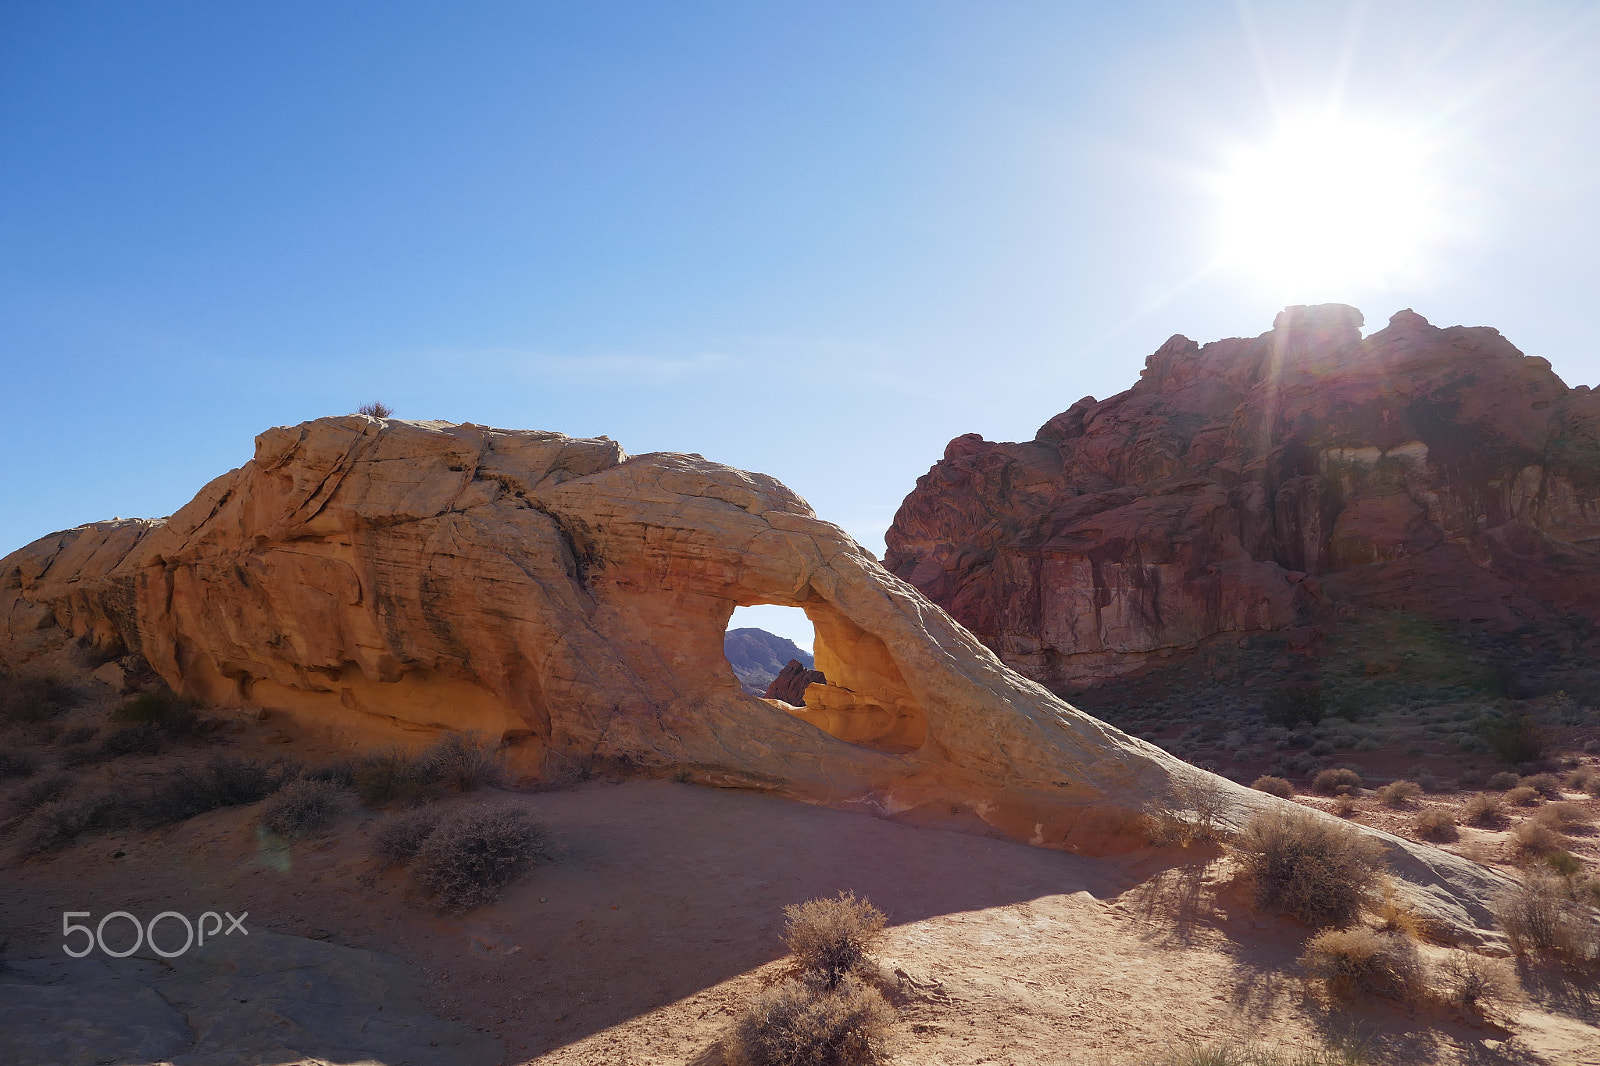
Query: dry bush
[171,714]
[1191,812]
[1478,984]
[1481,810]
[1584,779]
[1563,814]
[302,807]
[1541,918]
[831,937]
[1523,796]
[1532,838]
[57,824]
[1337,779]
[1547,784]
[1399,794]
[141,739]
[42,790]
[474,853]
[34,699]
[1344,805]
[1346,1052]
[464,761]
[375,409]
[393,775]
[1437,825]
[1310,866]
[1502,781]
[225,781]
[402,836]
[1273,786]
[1359,961]
[801,1024]
[1395,917]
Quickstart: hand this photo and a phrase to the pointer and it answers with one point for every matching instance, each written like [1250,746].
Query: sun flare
[1328,204]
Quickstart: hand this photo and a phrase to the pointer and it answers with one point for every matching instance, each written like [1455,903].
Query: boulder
[790,684]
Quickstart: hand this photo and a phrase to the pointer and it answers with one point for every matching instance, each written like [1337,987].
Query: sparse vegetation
[1523,796]
[1273,786]
[1190,813]
[1563,815]
[1548,785]
[473,853]
[59,823]
[171,714]
[1336,780]
[797,1024]
[464,761]
[1362,962]
[301,807]
[1481,809]
[41,791]
[393,776]
[1541,918]
[1399,794]
[225,781]
[830,938]
[402,835]
[1478,984]
[141,739]
[1503,781]
[1316,869]
[375,409]
[1533,839]
[1437,825]
[34,699]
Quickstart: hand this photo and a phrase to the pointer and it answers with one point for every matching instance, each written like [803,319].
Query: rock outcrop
[792,681]
[758,657]
[1264,484]
[385,579]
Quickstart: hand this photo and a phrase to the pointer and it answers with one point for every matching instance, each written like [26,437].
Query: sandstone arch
[383,578]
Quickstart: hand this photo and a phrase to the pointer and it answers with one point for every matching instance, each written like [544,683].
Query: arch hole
[761,640]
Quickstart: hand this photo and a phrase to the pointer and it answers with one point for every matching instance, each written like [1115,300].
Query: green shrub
[225,781]
[474,852]
[1309,866]
[1273,786]
[1338,779]
[1293,704]
[1361,962]
[830,938]
[402,836]
[1399,794]
[302,807]
[798,1024]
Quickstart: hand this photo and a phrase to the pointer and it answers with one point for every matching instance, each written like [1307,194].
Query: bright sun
[1327,205]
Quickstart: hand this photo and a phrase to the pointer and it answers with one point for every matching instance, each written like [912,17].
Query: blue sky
[816,240]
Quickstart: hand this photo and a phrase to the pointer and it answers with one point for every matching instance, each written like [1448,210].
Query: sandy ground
[663,915]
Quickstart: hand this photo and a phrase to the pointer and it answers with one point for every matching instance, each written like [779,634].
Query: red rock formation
[790,684]
[1258,484]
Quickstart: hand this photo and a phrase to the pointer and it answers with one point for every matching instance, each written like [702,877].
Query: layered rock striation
[1266,484]
[383,580]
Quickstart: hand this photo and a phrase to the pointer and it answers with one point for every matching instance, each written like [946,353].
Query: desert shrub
[464,761]
[1549,785]
[1481,809]
[401,836]
[170,713]
[1562,815]
[1532,838]
[393,776]
[800,1024]
[300,807]
[34,699]
[1273,786]
[474,852]
[1359,961]
[41,791]
[141,739]
[1564,863]
[1436,824]
[1523,796]
[1399,793]
[1190,812]
[1395,917]
[1316,869]
[1540,917]
[59,823]
[225,781]
[1516,738]
[1503,780]
[1344,805]
[18,764]
[1584,779]
[831,937]
[1477,984]
[1293,704]
[341,772]
[375,409]
[80,734]
[1337,779]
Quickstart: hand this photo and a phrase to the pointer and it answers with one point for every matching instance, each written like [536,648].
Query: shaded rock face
[383,580]
[1261,484]
[791,682]
[758,657]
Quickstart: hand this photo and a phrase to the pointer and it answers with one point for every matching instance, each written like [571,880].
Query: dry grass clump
[1563,815]
[1362,962]
[400,837]
[1273,786]
[1546,784]
[1585,779]
[473,853]
[830,938]
[59,823]
[1343,1052]
[166,711]
[1478,984]
[225,781]
[1399,794]
[392,775]
[465,761]
[302,807]
[1541,917]
[28,700]
[42,790]
[1344,805]
[1482,810]
[796,1024]
[1436,824]
[1337,779]
[1523,796]
[1309,866]
[1532,838]
[1502,781]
